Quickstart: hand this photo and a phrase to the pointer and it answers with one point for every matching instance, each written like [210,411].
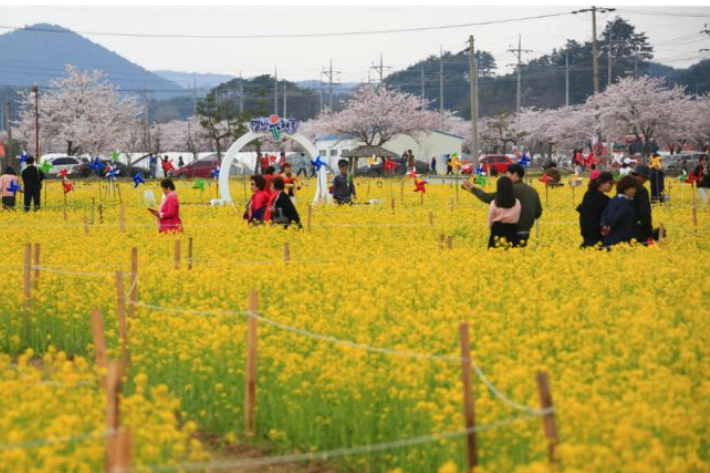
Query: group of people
[273,198]
[32,178]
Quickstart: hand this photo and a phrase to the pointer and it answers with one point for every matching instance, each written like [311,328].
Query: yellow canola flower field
[624,335]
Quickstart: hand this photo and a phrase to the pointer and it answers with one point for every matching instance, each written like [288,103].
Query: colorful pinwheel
[23,157]
[389,165]
[46,167]
[524,160]
[413,174]
[68,186]
[14,188]
[112,173]
[372,161]
[97,165]
[114,156]
[420,186]
[455,163]
[199,184]
[318,163]
[546,179]
[481,179]
[63,173]
[138,180]
[215,172]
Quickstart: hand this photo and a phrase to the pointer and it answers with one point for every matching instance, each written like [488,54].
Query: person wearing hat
[643,226]
[658,187]
[592,207]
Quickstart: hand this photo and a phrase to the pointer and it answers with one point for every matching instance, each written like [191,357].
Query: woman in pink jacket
[503,215]
[169,213]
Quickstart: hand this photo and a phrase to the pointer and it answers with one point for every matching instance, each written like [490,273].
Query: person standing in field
[256,207]
[433,165]
[700,175]
[658,185]
[618,218]
[169,213]
[32,178]
[343,186]
[290,181]
[282,210]
[503,215]
[643,228]
[592,207]
[527,195]
[302,166]
[7,181]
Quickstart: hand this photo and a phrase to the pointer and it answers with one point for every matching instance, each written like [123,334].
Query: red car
[201,168]
[498,161]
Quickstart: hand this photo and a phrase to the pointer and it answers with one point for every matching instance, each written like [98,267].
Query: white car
[64,162]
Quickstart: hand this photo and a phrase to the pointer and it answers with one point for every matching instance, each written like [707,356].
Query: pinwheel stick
[431,218]
[65,206]
[28,265]
[122,219]
[37,252]
[468,402]
[97,329]
[310,216]
[189,254]
[177,254]
[133,293]
[250,388]
[548,419]
[287,252]
[121,312]
[86,226]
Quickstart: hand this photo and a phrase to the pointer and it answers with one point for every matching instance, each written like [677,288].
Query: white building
[434,143]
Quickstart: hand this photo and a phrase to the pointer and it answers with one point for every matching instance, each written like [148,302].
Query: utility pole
[422,95]
[473,74]
[380,69]
[707,32]
[566,79]
[241,95]
[194,96]
[518,52]
[609,74]
[8,123]
[441,79]
[276,91]
[329,74]
[595,46]
[284,99]
[35,89]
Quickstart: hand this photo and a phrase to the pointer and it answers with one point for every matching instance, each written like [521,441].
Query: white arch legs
[226,197]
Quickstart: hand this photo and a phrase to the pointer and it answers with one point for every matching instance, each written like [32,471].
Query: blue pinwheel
[524,160]
[112,173]
[215,172]
[479,170]
[138,180]
[14,188]
[318,163]
[97,165]
[23,157]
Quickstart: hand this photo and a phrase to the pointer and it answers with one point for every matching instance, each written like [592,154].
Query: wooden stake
[118,191]
[401,191]
[250,398]
[287,252]
[546,195]
[124,451]
[572,196]
[133,292]
[452,206]
[86,226]
[441,241]
[661,233]
[93,205]
[548,419]
[121,312]
[189,254]
[431,218]
[177,254]
[695,216]
[450,242]
[421,198]
[113,388]
[97,328]
[28,264]
[65,205]
[122,219]
[101,214]
[37,263]
[310,216]
[468,404]
[392,205]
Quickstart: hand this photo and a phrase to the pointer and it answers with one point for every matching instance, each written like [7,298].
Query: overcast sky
[675,33]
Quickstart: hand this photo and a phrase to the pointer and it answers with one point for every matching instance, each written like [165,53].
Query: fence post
[101,214]
[177,254]
[452,206]
[122,219]
[468,406]
[133,292]
[28,264]
[548,418]
[310,216]
[86,226]
[113,388]
[124,451]
[450,242]
[431,218]
[37,263]
[250,398]
[661,233]
[121,312]
[287,252]
[392,205]
[441,241]
[118,191]
[97,328]
[189,254]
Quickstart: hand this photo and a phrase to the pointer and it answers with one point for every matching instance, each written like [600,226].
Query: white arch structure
[226,197]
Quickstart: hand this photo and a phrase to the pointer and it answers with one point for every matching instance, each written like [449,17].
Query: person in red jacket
[256,208]
[169,213]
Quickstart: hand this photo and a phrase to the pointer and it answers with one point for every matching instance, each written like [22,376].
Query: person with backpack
[9,184]
[592,207]
[32,179]
[282,210]
[503,215]
[618,218]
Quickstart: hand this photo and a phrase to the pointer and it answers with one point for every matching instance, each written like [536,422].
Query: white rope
[70,272]
[330,454]
[385,351]
[56,441]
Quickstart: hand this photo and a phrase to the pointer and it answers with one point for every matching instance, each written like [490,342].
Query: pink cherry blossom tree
[79,112]
[644,108]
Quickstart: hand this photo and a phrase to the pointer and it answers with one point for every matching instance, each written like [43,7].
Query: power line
[291,35]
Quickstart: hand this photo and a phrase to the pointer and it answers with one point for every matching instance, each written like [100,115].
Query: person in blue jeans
[32,179]
[618,218]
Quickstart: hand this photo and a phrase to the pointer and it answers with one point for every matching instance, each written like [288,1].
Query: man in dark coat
[643,227]
[32,178]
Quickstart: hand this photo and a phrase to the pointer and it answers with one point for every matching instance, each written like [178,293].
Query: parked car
[399,170]
[203,168]
[499,161]
[84,169]
[68,163]
[673,165]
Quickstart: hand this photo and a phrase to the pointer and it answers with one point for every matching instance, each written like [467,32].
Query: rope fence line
[57,441]
[347,343]
[328,454]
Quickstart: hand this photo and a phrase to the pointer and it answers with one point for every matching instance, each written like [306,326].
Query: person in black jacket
[32,178]
[283,211]
[643,227]
[618,218]
[591,209]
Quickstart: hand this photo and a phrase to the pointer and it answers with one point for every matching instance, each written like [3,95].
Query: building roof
[367,151]
[448,134]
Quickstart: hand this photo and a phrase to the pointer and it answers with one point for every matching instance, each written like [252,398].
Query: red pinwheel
[420,186]
[64,173]
[546,179]
[68,186]
[691,178]
[413,174]
[389,165]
